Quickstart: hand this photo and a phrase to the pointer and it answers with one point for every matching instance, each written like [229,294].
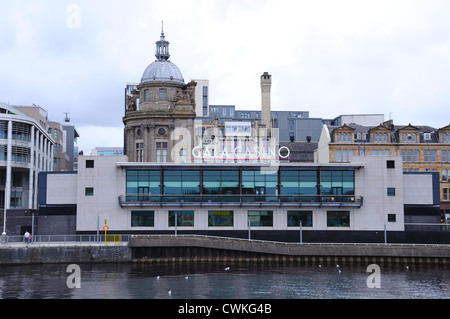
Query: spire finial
[162,46]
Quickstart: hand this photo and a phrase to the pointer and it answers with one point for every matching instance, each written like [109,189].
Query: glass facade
[240,185]
[259,186]
[338,218]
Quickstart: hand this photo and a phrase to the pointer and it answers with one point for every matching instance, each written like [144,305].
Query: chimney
[266,82]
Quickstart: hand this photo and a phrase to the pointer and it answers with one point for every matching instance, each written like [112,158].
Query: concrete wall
[372,183]
[417,189]
[108,182]
[64,254]
[61,189]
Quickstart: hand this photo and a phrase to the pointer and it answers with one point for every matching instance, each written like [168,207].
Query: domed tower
[160,113]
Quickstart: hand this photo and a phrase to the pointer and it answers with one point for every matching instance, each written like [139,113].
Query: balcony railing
[239,200]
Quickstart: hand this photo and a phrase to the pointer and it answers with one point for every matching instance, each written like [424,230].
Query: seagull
[170,292]
[227,268]
[157,277]
[407,267]
[186,277]
[320,266]
[337,266]
[340,271]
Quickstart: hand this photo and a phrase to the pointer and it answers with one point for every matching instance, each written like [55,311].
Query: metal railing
[313,200]
[69,239]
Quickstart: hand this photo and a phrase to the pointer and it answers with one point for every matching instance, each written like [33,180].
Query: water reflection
[197,281]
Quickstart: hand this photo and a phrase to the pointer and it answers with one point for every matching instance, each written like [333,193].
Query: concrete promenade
[167,248]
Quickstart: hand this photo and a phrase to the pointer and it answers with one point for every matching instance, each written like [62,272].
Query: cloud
[326,57]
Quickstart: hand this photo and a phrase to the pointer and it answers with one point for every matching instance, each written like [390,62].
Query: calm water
[212,281]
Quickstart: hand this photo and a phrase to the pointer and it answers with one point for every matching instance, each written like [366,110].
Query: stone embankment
[191,248]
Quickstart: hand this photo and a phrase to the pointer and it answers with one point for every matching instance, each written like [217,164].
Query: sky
[328,57]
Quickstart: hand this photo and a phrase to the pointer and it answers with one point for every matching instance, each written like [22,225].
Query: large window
[260,218]
[338,218]
[220,218]
[142,184]
[337,183]
[181,182]
[295,217]
[142,218]
[295,182]
[258,185]
[184,218]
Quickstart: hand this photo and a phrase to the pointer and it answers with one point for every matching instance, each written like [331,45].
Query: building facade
[160,112]
[26,149]
[421,148]
[368,194]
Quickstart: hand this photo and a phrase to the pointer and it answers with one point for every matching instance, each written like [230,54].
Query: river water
[213,281]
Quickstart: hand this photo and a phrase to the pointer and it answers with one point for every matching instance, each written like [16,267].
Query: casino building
[164,183]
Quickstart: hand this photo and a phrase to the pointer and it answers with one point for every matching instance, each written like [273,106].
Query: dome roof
[162,71]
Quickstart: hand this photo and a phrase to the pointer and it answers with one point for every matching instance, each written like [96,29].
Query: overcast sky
[326,57]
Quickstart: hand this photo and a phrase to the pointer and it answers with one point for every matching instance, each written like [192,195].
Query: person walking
[26,237]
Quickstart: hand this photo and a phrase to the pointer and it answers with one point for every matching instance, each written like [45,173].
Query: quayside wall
[212,249]
[196,248]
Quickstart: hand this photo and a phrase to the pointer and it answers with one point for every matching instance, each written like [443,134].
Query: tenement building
[421,148]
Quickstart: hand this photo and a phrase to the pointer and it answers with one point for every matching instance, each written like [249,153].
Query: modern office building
[26,149]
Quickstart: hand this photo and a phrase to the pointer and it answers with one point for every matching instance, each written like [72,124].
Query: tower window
[161,152]
[163,94]
[146,95]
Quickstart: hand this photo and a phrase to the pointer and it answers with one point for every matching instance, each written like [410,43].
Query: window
[390,164]
[163,94]
[416,156]
[338,218]
[294,218]
[55,133]
[260,218]
[338,155]
[426,155]
[433,156]
[410,155]
[183,155]
[181,184]
[89,191]
[161,152]
[142,183]
[146,95]
[139,152]
[444,175]
[392,218]
[403,152]
[391,191]
[445,193]
[221,182]
[89,163]
[445,156]
[220,218]
[184,218]
[142,218]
